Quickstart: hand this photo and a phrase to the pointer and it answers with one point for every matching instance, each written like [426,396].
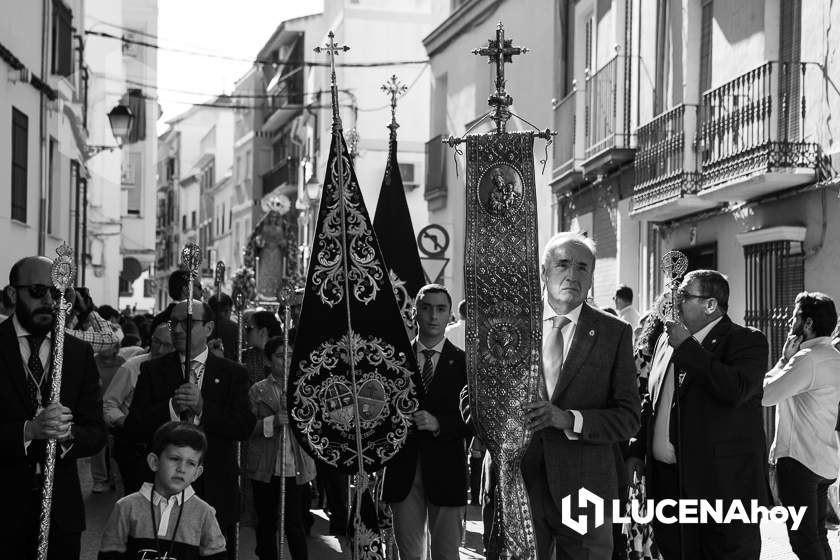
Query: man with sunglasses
[702,423]
[214,390]
[28,420]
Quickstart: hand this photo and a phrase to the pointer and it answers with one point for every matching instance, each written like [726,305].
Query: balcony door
[790,40]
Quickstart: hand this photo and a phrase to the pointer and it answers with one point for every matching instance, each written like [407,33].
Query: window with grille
[790,39]
[62,39]
[20,164]
[775,274]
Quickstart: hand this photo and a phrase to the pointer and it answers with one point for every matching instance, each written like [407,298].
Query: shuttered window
[20,166]
[706,19]
[62,39]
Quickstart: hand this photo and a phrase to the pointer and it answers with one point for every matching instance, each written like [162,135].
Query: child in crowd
[265,457]
[166,519]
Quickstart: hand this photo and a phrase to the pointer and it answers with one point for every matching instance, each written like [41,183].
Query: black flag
[395,232]
[350,319]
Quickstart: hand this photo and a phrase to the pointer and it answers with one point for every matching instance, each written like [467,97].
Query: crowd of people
[673,403]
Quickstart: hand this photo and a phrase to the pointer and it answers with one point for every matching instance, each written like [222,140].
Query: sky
[236,29]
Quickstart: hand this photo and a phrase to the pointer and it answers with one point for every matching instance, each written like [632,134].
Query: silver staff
[63,273]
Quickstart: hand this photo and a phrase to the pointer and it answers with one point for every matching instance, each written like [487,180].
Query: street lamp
[122,120]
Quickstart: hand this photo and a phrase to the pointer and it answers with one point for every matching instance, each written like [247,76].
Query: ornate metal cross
[500,51]
[394,88]
[332,49]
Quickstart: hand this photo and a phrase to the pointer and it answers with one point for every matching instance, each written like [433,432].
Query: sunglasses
[173,323]
[37,291]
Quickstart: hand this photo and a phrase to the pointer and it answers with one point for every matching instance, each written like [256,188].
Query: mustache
[43,309]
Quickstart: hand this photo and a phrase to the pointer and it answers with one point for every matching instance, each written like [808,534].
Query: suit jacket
[228,331]
[80,393]
[598,379]
[716,424]
[443,459]
[225,419]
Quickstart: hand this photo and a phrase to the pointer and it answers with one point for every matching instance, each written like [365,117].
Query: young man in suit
[27,419]
[702,423]
[428,477]
[213,394]
[590,403]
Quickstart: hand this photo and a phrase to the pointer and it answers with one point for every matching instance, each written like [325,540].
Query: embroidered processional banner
[504,329]
[352,391]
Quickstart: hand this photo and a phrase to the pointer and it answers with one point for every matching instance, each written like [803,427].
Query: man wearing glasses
[116,401]
[702,423]
[28,419]
[214,391]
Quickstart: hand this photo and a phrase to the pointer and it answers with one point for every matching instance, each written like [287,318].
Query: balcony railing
[662,172]
[284,172]
[564,143]
[755,124]
[606,125]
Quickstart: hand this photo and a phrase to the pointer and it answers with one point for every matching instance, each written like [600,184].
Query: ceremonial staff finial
[190,262]
[674,264]
[62,274]
[219,277]
[500,51]
[332,49]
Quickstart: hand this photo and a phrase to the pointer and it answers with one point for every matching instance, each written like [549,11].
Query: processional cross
[394,88]
[500,51]
[332,49]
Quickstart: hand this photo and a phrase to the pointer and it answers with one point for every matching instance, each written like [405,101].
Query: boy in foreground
[166,519]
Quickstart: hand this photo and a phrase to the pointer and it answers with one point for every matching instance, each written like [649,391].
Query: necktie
[36,372]
[553,346]
[196,371]
[428,368]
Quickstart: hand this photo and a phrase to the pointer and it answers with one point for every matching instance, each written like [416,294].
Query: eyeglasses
[687,295]
[183,322]
[37,291]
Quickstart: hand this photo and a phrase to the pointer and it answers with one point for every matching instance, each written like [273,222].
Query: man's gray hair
[568,238]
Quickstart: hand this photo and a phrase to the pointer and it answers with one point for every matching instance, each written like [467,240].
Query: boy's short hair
[179,434]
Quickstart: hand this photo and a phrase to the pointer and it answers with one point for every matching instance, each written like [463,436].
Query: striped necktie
[428,368]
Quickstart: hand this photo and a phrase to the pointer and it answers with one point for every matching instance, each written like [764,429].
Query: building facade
[121,209]
[44,119]
[460,85]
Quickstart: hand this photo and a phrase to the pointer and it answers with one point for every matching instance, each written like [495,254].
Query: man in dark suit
[590,403]
[27,419]
[427,479]
[702,425]
[213,394]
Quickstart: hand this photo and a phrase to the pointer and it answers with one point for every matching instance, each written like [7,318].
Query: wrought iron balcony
[607,136]
[666,180]
[751,138]
[566,170]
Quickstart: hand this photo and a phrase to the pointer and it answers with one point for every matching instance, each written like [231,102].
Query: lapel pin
[714,341]
[215,380]
[592,332]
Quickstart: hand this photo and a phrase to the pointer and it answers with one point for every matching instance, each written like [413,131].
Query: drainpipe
[42,129]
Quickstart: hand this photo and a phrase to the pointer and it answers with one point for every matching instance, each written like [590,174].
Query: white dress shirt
[202,359]
[663,450]
[421,357]
[806,391]
[568,332]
